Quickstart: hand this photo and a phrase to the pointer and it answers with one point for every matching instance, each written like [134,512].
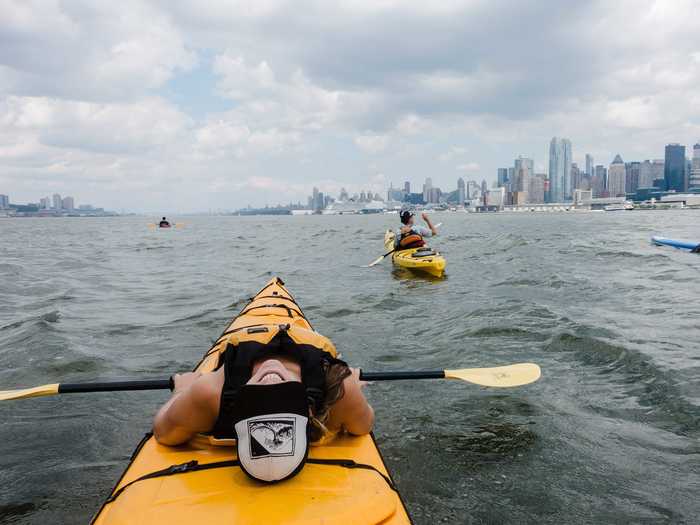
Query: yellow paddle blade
[179,224]
[37,391]
[500,376]
[151,225]
[376,261]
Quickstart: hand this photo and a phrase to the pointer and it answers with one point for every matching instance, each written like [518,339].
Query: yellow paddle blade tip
[37,391]
[499,376]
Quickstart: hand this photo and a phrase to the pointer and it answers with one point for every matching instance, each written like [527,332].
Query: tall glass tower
[674,168]
[559,169]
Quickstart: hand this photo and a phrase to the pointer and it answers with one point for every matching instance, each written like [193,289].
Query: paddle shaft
[393,376]
[163,384]
[115,386]
[167,384]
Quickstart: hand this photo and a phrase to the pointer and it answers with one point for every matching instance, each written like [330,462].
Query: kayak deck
[319,494]
[683,245]
[432,264]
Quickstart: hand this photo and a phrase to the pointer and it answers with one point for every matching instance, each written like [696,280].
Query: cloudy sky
[185,105]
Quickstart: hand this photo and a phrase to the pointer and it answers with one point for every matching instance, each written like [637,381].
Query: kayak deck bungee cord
[417,259]
[344,481]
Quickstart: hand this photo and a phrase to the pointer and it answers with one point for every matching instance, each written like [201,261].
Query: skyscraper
[616,178]
[57,201]
[461,191]
[4,202]
[427,187]
[632,173]
[694,182]
[535,191]
[589,165]
[598,181]
[674,168]
[67,203]
[575,176]
[559,169]
[523,169]
[502,177]
[407,187]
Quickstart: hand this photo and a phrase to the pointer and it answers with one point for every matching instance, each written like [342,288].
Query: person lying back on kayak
[410,235]
[163,223]
[266,395]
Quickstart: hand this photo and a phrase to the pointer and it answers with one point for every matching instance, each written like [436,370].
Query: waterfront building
[394,194]
[559,169]
[427,186]
[535,191]
[57,202]
[4,202]
[575,176]
[589,165]
[461,191]
[502,177]
[616,178]
[598,181]
[649,171]
[674,168]
[632,173]
[582,196]
[523,170]
[67,203]
[694,180]
[44,203]
[343,195]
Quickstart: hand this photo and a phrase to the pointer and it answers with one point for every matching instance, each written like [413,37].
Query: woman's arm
[433,229]
[352,411]
[191,409]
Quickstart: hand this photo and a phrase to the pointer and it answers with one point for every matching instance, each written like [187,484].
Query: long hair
[336,372]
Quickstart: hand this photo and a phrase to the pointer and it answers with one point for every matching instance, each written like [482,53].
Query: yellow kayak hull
[433,264]
[319,494]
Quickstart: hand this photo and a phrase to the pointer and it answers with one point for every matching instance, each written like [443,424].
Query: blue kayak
[683,245]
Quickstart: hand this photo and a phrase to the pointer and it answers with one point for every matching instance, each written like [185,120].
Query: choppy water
[608,435]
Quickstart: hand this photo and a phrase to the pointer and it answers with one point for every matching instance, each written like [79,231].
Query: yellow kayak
[162,485]
[417,259]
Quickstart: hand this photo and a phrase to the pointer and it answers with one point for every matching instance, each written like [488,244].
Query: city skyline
[191,107]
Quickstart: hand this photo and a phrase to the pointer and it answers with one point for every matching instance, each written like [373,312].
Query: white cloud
[469,167]
[372,143]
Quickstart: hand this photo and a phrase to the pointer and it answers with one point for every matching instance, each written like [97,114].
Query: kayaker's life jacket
[311,350]
[410,240]
[269,423]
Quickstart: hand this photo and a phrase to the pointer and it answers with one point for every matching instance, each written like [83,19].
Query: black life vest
[312,351]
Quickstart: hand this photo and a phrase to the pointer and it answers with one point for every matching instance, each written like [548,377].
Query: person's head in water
[163,219]
[407,218]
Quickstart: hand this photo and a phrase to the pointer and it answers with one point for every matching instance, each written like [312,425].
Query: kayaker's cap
[405,216]
[271,428]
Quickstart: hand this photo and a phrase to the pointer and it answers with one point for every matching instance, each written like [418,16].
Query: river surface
[608,435]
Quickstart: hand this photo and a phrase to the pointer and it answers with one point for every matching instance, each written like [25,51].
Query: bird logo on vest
[272,437]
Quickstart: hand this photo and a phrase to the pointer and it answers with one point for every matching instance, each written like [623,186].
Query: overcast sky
[185,105]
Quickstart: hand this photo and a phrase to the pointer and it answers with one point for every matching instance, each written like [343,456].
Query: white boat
[622,206]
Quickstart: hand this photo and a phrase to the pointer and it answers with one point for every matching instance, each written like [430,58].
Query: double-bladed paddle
[381,257]
[499,377]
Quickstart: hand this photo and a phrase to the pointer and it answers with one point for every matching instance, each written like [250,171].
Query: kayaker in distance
[234,400]
[410,235]
[164,223]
